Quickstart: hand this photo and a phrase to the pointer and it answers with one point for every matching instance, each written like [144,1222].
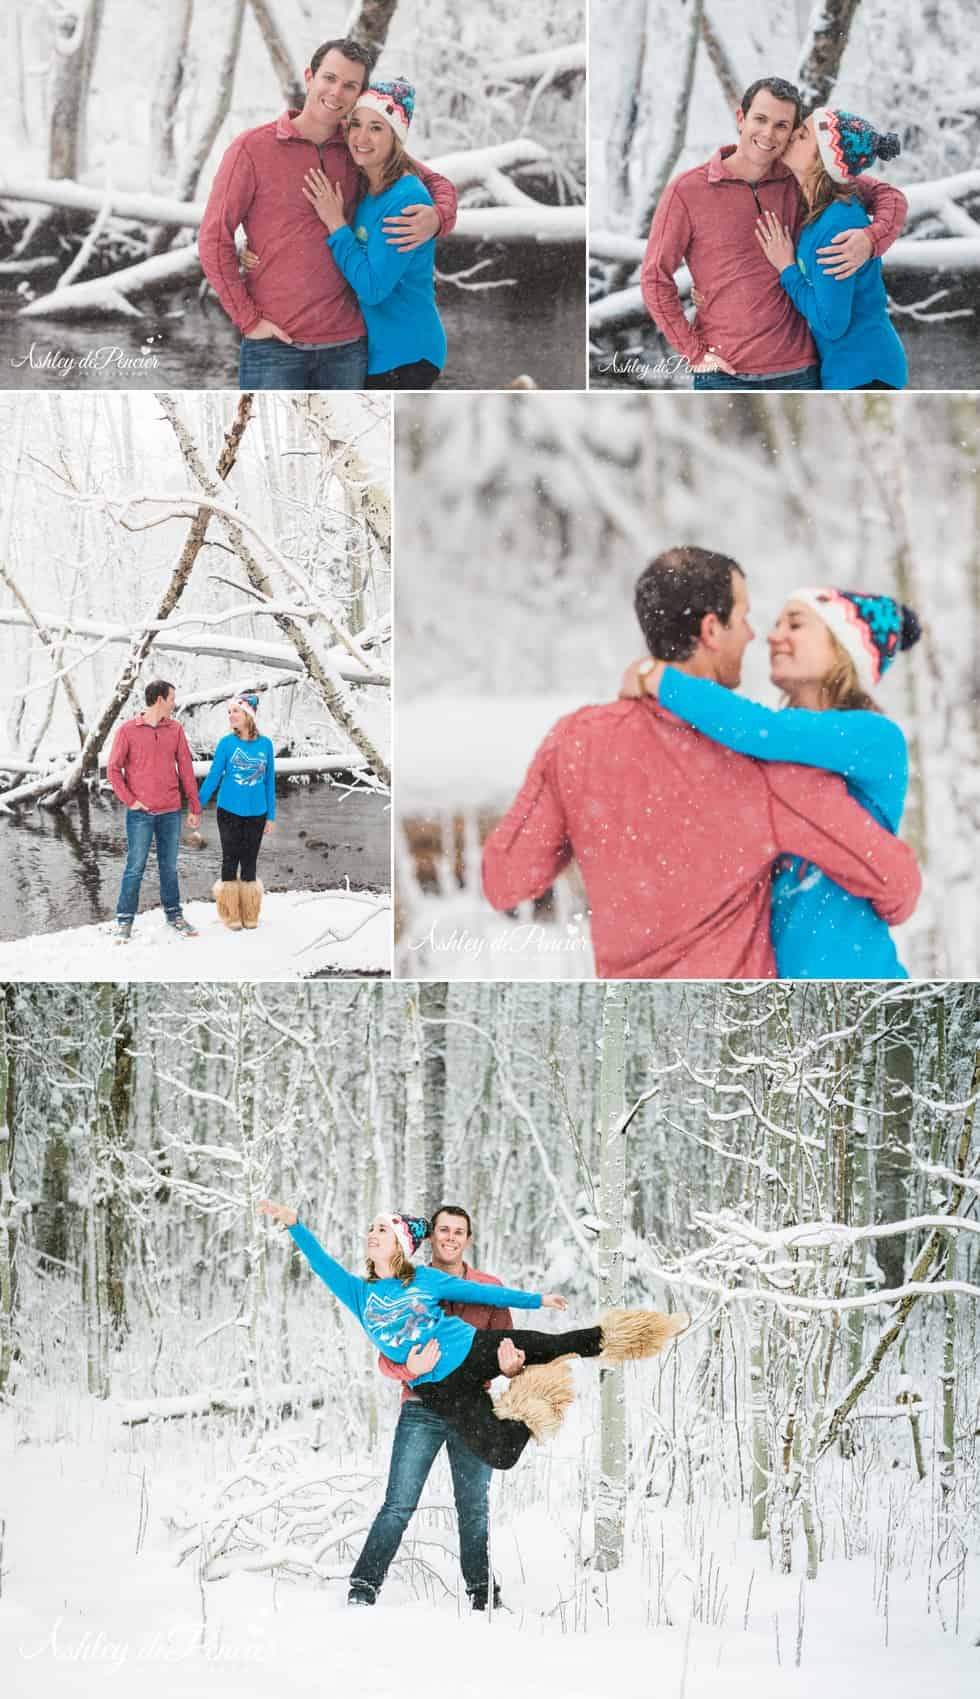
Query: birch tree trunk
[8,1217]
[144,642]
[610,1514]
[321,672]
[96,1258]
[170,79]
[415,1180]
[823,50]
[371,22]
[289,79]
[76,38]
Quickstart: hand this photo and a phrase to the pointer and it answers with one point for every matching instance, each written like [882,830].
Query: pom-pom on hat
[849,145]
[870,629]
[393,101]
[409,1230]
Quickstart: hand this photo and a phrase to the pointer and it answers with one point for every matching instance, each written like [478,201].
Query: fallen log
[553,62]
[280,656]
[77,197]
[135,1411]
[111,294]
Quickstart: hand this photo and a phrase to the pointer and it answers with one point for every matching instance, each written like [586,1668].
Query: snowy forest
[787,1500]
[113,124]
[570,500]
[672,77]
[225,544]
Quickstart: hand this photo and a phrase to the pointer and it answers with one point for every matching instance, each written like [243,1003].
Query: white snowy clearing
[300,933]
[96,1519]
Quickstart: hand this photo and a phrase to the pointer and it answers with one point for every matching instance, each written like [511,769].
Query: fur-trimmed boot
[227,895]
[538,1397]
[252,891]
[630,1334]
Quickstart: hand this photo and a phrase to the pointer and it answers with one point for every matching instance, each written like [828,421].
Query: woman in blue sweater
[243,773]
[855,338]
[399,1306]
[827,652]
[395,290]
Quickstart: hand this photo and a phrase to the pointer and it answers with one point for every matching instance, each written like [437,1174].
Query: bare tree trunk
[731,87]
[144,642]
[371,22]
[8,1215]
[76,37]
[823,50]
[290,81]
[416,1178]
[170,80]
[674,141]
[610,1511]
[372,499]
[322,675]
[191,166]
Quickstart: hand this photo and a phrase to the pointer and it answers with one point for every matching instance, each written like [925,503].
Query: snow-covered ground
[300,933]
[94,1598]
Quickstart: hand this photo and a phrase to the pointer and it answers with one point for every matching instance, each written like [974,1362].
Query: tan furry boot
[251,890]
[629,1334]
[539,1398]
[227,897]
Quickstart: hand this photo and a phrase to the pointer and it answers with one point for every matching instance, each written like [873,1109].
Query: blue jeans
[271,364]
[141,831]
[807,378]
[418,1437]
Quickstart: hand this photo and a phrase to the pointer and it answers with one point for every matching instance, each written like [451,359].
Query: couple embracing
[783,235]
[717,838]
[341,222]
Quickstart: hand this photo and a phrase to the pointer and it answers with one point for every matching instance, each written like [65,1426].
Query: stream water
[535,324]
[63,868]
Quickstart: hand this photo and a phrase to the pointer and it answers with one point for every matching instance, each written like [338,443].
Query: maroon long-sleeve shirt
[477,1314]
[707,218]
[149,764]
[259,184]
[675,838]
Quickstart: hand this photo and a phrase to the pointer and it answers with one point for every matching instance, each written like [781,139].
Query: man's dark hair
[156,690]
[675,592]
[354,50]
[452,1209]
[779,88]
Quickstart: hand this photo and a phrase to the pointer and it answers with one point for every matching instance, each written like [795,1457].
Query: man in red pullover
[675,836]
[748,334]
[300,322]
[421,1434]
[148,764]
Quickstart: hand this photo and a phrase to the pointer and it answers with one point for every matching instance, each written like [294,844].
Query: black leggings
[417,374]
[465,1405]
[876,385]
[241,840]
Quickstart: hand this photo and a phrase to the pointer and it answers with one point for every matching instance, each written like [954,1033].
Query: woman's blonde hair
[401,1268]
[841,687]
[822,191]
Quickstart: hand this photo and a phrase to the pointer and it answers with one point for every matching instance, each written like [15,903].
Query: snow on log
[135,1411]
[77,197]
[621,250]
[535,223]
[929,197]
[933,253]
[111,294]
[626,306]
[255,651]
[553,63]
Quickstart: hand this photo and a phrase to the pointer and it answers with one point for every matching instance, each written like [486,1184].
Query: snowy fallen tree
[253,650]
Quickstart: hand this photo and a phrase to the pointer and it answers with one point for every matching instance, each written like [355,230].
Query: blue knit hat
[870,629]
[849,145]
[409,1230]
[393,101]
[247,700]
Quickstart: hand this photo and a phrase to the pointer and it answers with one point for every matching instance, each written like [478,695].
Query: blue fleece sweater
[819,930]
[395,291]
[243,773]
[395,1316]
[855,338]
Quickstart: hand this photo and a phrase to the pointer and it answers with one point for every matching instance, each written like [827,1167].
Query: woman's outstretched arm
[461,1292]
[347,1287]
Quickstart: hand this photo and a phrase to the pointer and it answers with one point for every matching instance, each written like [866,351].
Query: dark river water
[63,868]
[537,326]
[940,356]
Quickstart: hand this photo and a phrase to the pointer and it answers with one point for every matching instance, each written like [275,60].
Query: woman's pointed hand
[554,1301]
[280,1212]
